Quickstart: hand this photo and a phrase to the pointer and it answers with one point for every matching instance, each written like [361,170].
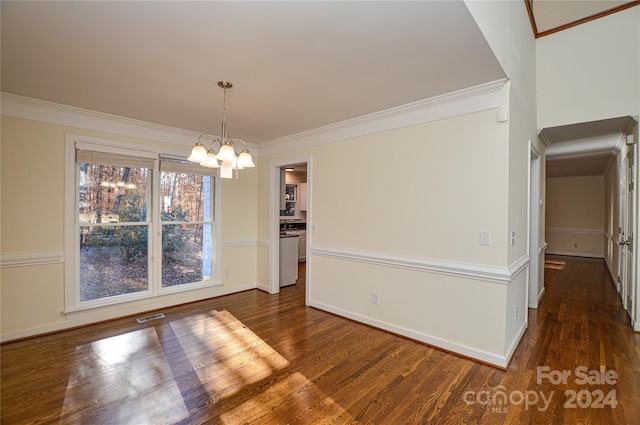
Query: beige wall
[590,72]
[32,211]
[575,215]
[430,206]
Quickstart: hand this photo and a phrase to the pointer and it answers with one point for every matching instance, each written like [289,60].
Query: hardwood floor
[252,358]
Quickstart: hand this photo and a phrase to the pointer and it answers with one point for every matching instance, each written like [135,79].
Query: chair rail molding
[30,259]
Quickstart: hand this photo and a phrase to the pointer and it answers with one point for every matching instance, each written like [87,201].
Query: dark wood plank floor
[252,358]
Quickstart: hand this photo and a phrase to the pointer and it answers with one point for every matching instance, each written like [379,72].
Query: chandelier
[227,158]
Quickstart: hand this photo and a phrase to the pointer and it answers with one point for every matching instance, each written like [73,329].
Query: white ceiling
[295,66]
[583,149]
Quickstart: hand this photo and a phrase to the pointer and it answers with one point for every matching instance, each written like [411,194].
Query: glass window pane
[113,261]
[109,194]
[185,197]
[186,254]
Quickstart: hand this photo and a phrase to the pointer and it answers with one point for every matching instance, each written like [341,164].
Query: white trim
[514,344]
[495,274]
[88,317]
[472,99]
[541,294]
[274,218]
[636,327]
[542,247]
[55,113]
[239,243]
[599,232]
[576,254]
[262,287]
[600,177]
[485,356]
[263,243]
[31,259]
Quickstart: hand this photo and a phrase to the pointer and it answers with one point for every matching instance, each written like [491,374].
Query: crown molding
[55,113]
[473,99]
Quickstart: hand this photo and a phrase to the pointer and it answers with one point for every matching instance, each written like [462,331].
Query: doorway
[290,205]
[597,158]
[535,204]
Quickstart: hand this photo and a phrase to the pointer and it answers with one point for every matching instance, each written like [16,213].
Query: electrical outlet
[516,312]
[226,274]
[375,298]
[513,238]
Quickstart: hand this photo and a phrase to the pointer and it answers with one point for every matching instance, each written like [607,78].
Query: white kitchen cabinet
[290,209]
[288,263]
[302,248]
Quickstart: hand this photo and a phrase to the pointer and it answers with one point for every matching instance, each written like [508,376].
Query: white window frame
[72,246]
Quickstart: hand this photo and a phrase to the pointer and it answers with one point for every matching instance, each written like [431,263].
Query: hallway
[580,323]
[259,359]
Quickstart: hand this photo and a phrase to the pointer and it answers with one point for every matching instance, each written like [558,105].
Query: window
[187,222]
[143,226]
[112,224]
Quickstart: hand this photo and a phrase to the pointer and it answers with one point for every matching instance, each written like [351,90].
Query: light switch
[485,237]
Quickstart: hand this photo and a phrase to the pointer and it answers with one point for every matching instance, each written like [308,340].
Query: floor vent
[152,317]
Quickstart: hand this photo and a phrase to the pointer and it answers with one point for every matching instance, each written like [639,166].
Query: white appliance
[288,259]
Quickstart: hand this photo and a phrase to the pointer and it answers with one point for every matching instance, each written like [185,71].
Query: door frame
[274,221]
[533,290]
[629,227]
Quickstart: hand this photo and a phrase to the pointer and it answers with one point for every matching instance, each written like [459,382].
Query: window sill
[143,301]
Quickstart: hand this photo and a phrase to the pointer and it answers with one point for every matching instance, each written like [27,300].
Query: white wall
[590,72]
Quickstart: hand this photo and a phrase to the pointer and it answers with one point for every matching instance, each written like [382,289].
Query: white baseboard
[514,344]
[263,287]
[541,294]
[88,320]
[575,254]
[484,356]
[636,327]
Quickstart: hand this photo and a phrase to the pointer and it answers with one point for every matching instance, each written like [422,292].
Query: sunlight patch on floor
[127,379]
[225,354]
[555,264]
